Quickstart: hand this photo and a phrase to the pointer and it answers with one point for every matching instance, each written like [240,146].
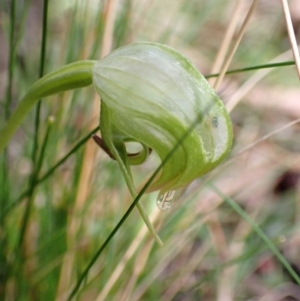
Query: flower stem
[72,76]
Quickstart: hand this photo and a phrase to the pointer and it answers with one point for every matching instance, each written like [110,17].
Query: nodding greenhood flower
[150,94]
[154,96]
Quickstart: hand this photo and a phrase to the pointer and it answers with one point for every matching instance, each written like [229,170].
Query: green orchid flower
[153,95]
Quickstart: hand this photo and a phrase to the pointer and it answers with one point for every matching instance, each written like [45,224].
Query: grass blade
[257,67]
[258,230]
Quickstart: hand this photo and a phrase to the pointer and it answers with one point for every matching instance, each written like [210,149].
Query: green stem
[11,58]
[4,158]
[263,66]
[36,167]
[33,181]
[72,76]
[41,73]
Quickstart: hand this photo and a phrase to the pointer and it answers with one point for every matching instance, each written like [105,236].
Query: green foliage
[61,232]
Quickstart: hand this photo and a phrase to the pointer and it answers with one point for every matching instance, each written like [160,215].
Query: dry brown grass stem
[66,275]
[228,36]
[139,266]
[176,245]
[290,30]
[236,44]
[139,239]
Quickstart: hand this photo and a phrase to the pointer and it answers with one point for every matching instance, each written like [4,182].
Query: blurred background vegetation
[53,221]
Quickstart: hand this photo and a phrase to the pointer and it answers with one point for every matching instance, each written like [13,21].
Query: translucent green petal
[156,94]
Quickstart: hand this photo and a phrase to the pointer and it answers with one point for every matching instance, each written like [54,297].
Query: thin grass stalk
[252,68]
[139,266]
[67,267]
[35,144]
[4,169]
[21,247]
[11,58]
[258,231]
[44,146]
[32,188]
[228,36]
[4,193]
[290,30]
[224,289]
[236,44]
[127,256]
[14,39]
[41,73]
[88,160]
